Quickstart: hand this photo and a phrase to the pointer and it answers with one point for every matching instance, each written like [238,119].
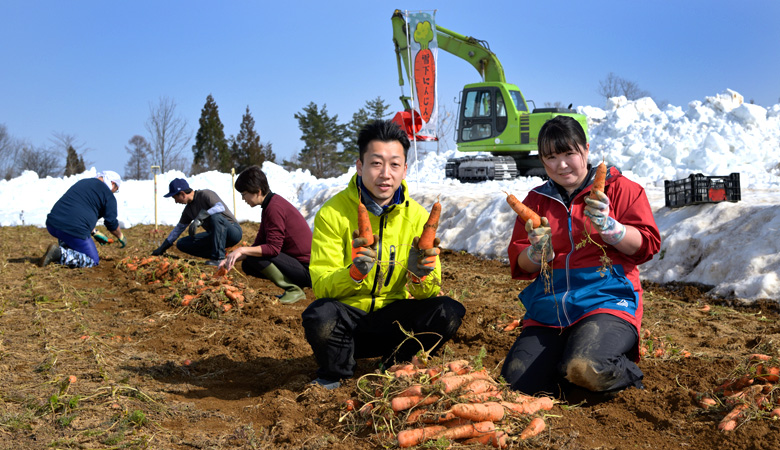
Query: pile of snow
[731,246]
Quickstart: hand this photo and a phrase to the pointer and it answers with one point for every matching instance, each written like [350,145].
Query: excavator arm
[474,51]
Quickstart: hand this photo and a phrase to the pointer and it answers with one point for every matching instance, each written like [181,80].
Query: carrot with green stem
[425,70]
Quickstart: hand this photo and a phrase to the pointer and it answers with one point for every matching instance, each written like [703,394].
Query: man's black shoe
[53,253]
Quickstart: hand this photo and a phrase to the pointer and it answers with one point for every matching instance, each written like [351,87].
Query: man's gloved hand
[122,241]
[101,238]
[422,262]
[162,248]
[363,256]
[597,211]
[541,241]
[202,215]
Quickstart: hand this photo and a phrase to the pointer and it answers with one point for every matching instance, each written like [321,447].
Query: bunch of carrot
[208,293]
[651,346]
[751,392]
[153,269]
[411,404]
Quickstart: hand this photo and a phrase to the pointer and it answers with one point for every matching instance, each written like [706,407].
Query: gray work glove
[540,239]
[363,256]
[422,262]
[597,211]
[202,215]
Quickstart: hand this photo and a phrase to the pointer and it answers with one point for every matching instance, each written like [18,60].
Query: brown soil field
[101,359]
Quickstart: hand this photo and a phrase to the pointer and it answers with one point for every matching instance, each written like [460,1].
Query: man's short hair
[381,130]
[252,180]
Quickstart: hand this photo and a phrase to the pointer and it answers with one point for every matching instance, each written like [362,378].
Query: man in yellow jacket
[368,295]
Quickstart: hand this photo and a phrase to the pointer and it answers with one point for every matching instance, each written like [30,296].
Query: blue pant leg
[223,233]
[79,252]
[596,356]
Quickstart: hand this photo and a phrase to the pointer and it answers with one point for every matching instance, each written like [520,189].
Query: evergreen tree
[138,166]
[74,164]
[246,149]
[373,110]
[210,151]
[322,135]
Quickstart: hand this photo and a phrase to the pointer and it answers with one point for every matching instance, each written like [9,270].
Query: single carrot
[416,436]
[775,413]
[414,390]
[221,272]
[459,367]
[535,427]
[466,431]
[187,299]
[497,439]
[479,412]
[454,382]
[760,357]
[429,229]
[523,211]
[364,224]
[729,422]
[707,402]
[403,403]
[768,374]
[529,407]
[512,325]
[234,295]
[599,180]
[480,386]
[437,417]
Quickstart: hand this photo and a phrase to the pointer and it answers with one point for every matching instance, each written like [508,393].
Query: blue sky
[91,69]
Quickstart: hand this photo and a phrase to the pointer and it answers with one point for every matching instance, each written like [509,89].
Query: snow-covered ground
[734,247]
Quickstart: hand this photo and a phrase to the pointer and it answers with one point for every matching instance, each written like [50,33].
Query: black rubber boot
[53,254]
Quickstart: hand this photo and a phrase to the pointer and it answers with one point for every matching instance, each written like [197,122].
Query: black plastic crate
[699,188]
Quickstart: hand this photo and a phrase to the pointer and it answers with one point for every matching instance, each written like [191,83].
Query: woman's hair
[560,135]
[252,180]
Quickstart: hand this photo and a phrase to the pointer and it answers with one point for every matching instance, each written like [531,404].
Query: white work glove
[597,211]
[541,241]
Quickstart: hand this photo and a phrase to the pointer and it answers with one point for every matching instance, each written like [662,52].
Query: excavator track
[473,169]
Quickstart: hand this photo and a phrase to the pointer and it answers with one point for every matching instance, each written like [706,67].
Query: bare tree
[40,160]
[138,167]
[615,86]
[63,141]
[447,120]
[9,149]
[168,135]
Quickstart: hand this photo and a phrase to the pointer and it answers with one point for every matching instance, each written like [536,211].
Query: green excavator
[493,115]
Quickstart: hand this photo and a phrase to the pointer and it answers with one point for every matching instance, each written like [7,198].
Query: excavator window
[500,112]
[477,115]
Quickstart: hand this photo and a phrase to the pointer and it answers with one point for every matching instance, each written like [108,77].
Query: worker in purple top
[282,247]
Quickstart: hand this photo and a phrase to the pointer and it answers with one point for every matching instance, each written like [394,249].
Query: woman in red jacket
[581,327]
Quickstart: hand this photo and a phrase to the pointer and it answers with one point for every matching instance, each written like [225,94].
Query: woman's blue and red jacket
[579,285]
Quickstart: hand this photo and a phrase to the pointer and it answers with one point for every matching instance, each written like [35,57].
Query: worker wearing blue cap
[203,207]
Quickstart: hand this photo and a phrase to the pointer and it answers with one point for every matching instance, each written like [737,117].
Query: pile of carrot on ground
[749,392]
[411,404]
[209,293]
